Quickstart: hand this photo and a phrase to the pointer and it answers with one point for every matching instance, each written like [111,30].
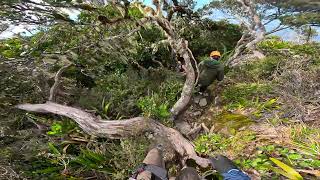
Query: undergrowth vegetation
[274,93]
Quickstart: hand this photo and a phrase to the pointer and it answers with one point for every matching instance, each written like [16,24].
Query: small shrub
[274,44]
[212,144]
[208,144]
[109,159]
[11,48]
[62,128]
[154,106]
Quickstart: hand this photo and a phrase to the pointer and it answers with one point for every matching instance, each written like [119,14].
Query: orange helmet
[215,53]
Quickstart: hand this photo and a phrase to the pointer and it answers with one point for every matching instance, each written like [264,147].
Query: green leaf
[53,149]
[106,107]
[288,171]
[294,156]
[56,128]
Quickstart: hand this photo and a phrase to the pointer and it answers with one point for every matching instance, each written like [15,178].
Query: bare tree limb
[279,28]
[55,86]
[180,46]
[259,29]
[117,129]
[187,89]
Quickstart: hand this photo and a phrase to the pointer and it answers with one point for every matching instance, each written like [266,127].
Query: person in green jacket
[210,70]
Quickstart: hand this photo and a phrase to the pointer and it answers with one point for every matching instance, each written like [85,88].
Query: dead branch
[180,46]
[157,62]
[117,129]
[180,106]
[277,29]
[55,86]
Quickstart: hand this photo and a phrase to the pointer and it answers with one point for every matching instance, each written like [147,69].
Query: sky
[285,34]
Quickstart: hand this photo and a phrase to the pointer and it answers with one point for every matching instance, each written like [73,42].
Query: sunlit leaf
[288,171]
[106,107]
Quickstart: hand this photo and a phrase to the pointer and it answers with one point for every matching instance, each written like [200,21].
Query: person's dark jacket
[210,70]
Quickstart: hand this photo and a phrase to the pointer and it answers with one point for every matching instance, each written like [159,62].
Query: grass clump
[244,94]
[215,143]
[256,71]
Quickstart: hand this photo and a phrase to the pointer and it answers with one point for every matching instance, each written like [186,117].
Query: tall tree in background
[255,15]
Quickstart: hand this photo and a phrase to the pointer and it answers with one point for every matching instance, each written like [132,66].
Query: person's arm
[220,74]
[227,168]
[200,66]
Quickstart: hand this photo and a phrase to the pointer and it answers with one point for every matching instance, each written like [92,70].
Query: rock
[196,99]
[197,113]
[203,102]
[150,136]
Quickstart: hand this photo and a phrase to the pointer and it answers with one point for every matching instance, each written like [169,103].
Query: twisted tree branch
[180,46]
[117,129]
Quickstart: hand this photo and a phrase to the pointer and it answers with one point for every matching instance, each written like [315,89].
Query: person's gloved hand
[222,164]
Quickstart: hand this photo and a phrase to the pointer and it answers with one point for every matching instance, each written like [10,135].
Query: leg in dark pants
[154,157]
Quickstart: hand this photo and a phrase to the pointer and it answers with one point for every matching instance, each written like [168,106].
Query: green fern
[93,160]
